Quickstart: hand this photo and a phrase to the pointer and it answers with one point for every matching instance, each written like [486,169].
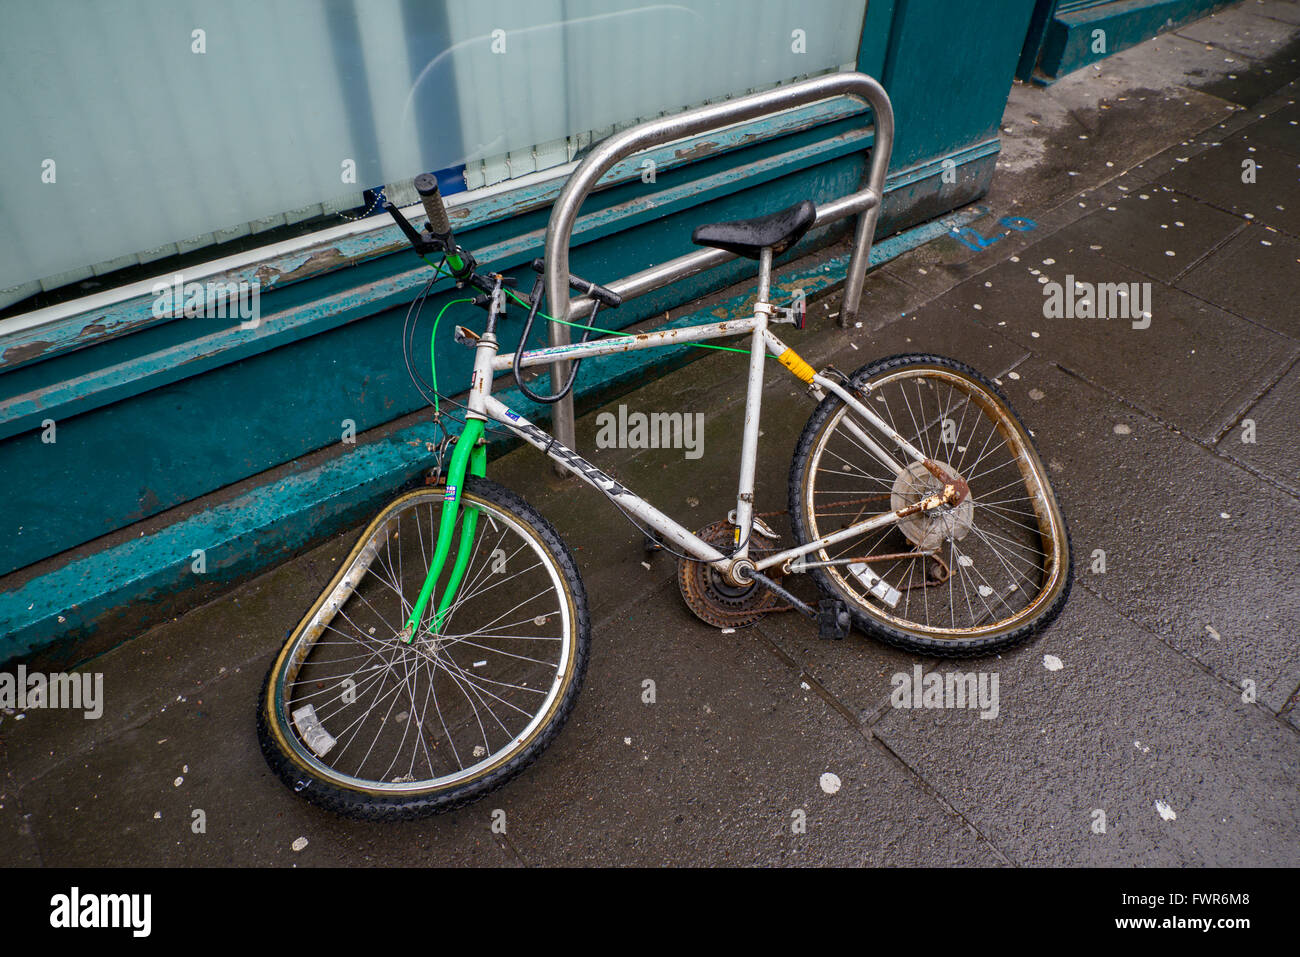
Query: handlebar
[465,271]
[426,184]
[607,296]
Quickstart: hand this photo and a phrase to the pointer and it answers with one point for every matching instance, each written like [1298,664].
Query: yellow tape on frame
[792,361]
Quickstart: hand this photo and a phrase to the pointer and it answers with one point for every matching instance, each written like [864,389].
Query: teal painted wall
[1062,42]
[194,426]
[948,69]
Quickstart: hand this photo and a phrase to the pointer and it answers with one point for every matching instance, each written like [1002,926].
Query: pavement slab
[1242,30]
[1122,725]
[1178,527]
[1288,11]
[1205,70]
[1275,131]
[1082,131]
[1265,438]
[1217,176]
[1145,227]
[1195,366]
[1254,275]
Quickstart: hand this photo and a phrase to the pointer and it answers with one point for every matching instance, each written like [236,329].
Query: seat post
[753,402]
[764,273]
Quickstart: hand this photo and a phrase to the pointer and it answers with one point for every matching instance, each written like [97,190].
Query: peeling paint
[323,260]
[24,353]
[266,275]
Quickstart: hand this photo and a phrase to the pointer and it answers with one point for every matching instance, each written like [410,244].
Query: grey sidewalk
[1129,173]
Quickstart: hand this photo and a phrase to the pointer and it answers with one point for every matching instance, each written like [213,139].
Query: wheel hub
[927,530]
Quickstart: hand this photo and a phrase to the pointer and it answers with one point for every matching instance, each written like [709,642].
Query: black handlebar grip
[426,184]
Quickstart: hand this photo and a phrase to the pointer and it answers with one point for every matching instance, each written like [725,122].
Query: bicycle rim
[987,567]
[362,709]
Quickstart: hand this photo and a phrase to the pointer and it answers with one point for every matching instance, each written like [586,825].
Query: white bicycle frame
[483,405]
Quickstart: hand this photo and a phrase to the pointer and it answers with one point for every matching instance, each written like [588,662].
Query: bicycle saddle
[746,237]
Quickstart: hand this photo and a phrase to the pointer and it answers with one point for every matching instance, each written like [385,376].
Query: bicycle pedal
[833,619]
[652,544]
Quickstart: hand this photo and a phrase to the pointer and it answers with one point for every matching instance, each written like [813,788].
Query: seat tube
[753,403]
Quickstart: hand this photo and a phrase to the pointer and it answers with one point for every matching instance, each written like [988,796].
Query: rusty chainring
[712,598]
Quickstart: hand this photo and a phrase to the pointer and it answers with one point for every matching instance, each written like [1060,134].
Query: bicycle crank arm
[780,592]
[832,615]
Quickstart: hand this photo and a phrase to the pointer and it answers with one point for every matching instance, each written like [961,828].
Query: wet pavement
[1162,702]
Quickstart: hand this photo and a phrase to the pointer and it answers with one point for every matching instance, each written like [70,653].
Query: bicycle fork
[468,457]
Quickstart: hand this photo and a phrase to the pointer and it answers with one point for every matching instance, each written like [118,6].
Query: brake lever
[432,244]
[421,244]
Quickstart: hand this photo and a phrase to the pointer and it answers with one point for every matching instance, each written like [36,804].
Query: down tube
[623,498]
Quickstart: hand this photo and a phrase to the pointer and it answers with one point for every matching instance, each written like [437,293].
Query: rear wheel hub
[929,529]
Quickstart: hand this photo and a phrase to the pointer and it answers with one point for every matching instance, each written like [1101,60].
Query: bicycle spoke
[400,714]
[996,555]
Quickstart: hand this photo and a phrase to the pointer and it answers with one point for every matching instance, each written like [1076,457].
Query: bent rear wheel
[958,580]
[359,721]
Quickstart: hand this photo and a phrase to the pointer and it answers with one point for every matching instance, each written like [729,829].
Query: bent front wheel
[359,720]
[962,579]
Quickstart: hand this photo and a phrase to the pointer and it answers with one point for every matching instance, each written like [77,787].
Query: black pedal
[833,619]
[652,544]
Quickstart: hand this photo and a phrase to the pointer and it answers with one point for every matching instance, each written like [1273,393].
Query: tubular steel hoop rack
[865,201]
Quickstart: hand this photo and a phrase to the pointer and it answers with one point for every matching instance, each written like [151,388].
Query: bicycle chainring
[712,598]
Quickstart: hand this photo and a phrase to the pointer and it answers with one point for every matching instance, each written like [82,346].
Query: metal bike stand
[559,230]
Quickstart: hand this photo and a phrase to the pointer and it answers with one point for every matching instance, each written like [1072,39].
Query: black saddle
[746,237]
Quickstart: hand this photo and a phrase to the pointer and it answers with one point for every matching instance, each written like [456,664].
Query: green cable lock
[469,456]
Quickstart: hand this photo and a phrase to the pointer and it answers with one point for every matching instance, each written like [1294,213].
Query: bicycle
[448,650]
